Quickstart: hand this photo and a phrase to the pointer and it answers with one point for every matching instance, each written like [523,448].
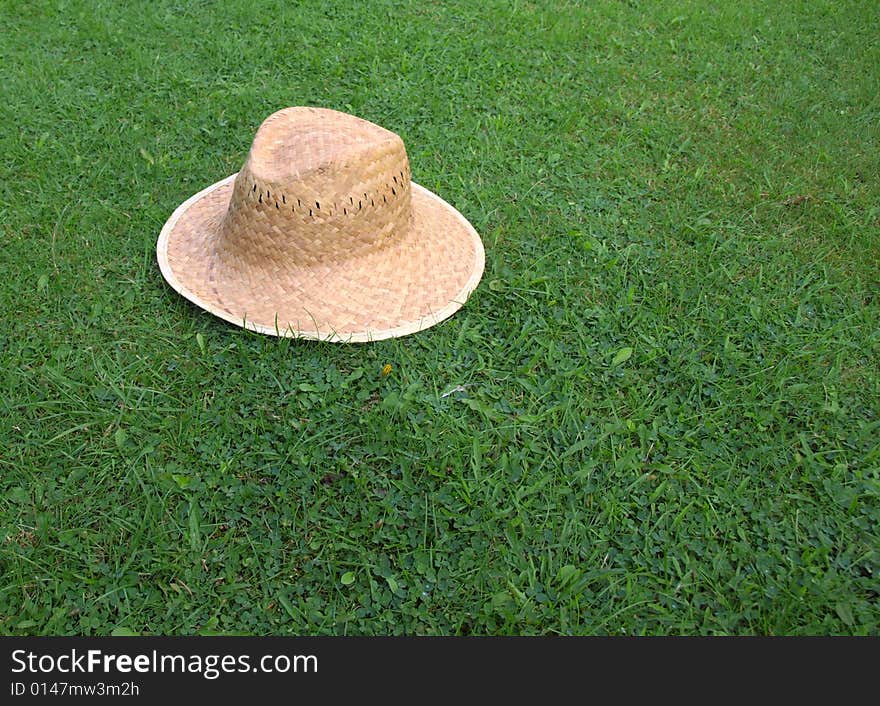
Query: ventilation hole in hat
[393,191]
[283,198]
[310,212]
[360,205]
[255,188]
[317,205]
[345,211]
[261,197]
[384,198]
[351,200]
[371,202]
[395,178]
[300,203]
[276,205]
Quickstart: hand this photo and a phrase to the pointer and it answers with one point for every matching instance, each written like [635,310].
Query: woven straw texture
[322,235]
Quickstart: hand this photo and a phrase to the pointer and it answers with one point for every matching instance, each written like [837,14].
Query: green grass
[694,181]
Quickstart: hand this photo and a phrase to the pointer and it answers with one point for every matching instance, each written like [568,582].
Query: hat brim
[410,284]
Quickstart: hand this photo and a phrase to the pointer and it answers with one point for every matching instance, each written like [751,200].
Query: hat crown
[318,186]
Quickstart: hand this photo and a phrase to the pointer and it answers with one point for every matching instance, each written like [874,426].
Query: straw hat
[322,235]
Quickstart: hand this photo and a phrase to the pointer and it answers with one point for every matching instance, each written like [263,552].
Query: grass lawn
[659,413]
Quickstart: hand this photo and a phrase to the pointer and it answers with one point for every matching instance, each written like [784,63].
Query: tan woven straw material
[322,235]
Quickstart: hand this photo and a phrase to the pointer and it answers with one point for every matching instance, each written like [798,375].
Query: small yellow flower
[386,370]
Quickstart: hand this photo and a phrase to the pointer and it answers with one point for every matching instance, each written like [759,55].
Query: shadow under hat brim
[411,283]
